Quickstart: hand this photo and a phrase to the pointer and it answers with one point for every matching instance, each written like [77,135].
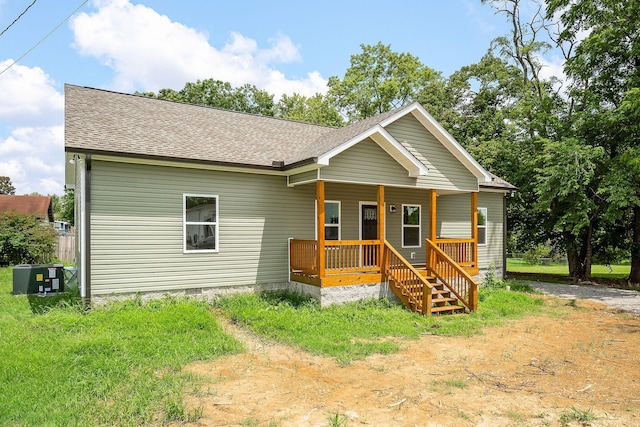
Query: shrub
[533,256]
[25,240]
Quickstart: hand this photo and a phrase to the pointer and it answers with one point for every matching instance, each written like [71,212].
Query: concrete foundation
[326,296]
[342,294]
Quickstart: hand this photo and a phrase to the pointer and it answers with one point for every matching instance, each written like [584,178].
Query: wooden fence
[66,247]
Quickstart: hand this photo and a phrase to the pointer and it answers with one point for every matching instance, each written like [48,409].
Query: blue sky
[146,45]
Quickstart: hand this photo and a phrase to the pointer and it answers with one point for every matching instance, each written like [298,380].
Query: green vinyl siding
[454,216]
[491,254]
[304,177]
[454,221]
[137,228]
[366,162]
[445,170]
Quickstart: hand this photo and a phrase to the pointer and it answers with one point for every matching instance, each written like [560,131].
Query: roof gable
[389,144]
[443,137]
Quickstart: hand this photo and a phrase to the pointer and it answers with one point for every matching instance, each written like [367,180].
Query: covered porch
[448,263]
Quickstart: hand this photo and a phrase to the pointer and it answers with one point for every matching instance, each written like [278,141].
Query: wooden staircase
[411,292]
[443,302]
[426,291]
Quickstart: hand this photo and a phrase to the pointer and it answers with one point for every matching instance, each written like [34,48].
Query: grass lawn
[116,365]
[122,364]
[355,330]
[614,271]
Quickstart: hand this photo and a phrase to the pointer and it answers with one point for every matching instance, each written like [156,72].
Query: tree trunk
[579,254]
[634,276]
[572,254]
[587,250]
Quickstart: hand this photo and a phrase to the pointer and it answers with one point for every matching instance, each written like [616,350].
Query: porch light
[392,208]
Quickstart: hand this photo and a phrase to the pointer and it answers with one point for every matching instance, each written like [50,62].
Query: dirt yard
[577,366]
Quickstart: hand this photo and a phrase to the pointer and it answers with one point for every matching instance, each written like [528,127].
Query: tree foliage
[66,207]
[378,80]
[316,109]
[219,94]
[25,240]
[605,71]
[6,186]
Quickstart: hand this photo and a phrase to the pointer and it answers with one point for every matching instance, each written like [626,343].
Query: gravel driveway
[618,298]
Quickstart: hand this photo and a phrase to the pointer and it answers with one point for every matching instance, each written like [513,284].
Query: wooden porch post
[321,222]
[381,221]
[433,225]
[474,226]
[473,290]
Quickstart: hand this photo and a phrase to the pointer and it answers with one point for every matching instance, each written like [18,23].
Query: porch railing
[351,256]
[341,256]
[452,275]
[303,257]
[413,289]
[462,251]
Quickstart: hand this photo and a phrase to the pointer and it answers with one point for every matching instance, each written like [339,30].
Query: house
[38,206]
[173,197]
[62,227]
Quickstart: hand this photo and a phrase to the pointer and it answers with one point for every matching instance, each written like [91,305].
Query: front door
[369,231]
[369,218]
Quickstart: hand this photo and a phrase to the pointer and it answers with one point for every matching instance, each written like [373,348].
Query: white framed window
[411,226]
[332,229]
[200,223]
[482,226]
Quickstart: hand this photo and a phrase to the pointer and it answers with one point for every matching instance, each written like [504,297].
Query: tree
[6,187]
[559,167]
[316,109]
[67,206]
[605,69]
[219,94]
[380,80]
[23,239]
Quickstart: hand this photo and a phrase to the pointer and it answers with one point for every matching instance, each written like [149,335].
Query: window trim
[486,221]
[419,226]
[216,223]
[339,225]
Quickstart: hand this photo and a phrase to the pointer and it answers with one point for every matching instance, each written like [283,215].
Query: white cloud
[28,97]
[31,115]
[34,159]
[148,51]
[552,67]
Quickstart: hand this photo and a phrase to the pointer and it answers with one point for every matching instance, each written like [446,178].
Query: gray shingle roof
[497,182]
[101,121]
[109,122]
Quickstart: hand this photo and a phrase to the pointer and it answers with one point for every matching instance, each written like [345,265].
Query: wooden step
[447,309]
[441,301]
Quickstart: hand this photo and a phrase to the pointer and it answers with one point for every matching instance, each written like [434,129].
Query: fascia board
[389,144]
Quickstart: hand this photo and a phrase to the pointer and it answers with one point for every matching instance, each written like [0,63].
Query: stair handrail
[427,288]
[471,302]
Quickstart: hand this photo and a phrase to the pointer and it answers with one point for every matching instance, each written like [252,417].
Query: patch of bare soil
[579,363]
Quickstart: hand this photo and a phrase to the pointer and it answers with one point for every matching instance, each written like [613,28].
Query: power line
[19,16]
[46,36]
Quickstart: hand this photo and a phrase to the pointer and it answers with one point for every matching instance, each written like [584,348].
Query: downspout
[83,230]
[85,227]
[88,229]
[504,236]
